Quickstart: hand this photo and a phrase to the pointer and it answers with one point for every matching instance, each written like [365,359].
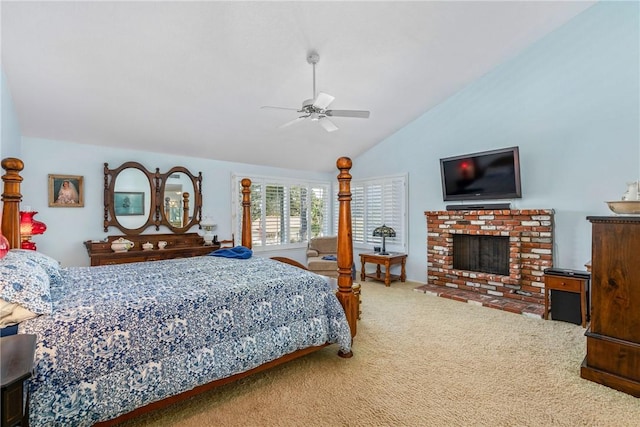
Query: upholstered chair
[321,255]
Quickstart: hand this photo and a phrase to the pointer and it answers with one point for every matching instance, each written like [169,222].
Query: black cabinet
[565,306]
[16,364]
[569,299]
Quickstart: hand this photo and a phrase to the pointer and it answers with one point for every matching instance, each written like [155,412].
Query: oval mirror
[129,198]
[132,198]
[181,199]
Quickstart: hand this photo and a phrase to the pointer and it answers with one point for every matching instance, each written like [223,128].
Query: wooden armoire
[613,338]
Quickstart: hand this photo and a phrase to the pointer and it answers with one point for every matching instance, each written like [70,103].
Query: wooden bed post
[345,293]
[11,199]
[185,209]
[246,212]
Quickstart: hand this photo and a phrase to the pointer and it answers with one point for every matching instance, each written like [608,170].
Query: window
[284,213]
[375,202]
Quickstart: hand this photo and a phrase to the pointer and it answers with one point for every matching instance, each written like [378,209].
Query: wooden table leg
[583,304]
[362,272]
[545,315]
[387,273]
[403,272]
[378,271]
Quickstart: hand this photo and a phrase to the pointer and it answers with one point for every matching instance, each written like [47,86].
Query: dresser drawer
[568,284]
[177,246]
[150,255]
[113,261]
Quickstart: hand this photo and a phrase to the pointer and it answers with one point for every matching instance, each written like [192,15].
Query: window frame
[265,181]
[363,221]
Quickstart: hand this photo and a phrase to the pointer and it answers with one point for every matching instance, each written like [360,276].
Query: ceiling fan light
[328,125]
[316,109]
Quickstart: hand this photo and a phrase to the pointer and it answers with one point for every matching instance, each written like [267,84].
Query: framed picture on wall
[66,191]
[128,202]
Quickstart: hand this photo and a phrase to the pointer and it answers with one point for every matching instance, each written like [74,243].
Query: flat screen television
[488,175]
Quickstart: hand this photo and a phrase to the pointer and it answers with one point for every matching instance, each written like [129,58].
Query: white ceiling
[189,78]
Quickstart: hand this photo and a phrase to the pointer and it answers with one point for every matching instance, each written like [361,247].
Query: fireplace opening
[481,253]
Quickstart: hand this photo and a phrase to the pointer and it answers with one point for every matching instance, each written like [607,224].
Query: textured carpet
[420,360]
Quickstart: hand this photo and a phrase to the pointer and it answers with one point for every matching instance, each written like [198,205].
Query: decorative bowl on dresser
[625,207]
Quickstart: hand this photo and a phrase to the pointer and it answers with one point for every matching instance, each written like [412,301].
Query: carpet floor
[421,360]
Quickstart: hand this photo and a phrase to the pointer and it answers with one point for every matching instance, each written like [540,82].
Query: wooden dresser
[613,339]
[178,246]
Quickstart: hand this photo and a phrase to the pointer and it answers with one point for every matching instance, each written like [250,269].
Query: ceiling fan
[315,109]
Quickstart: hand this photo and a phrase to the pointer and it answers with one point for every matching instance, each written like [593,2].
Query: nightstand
[16,364]
[567,281]
[387,261]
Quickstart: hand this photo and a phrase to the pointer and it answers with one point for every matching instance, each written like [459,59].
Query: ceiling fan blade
[361,114]
[278,108]
[327,124]
[294,121]
[323,100]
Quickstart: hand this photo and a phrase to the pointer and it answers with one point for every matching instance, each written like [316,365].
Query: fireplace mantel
[530,233]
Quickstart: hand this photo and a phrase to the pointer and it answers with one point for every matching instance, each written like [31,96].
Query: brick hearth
[530,235]
[529,309]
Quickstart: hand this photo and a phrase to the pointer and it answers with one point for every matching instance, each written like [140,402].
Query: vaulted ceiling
[189,78]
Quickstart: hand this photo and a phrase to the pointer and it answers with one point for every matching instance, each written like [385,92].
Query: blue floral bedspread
[126,335]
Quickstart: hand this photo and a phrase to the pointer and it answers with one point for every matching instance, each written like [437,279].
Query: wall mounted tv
[488,175]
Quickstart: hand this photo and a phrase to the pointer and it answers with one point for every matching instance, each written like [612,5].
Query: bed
[117,341]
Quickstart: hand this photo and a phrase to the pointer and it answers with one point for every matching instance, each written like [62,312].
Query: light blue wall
[570,102]
[67,228]
[9,126]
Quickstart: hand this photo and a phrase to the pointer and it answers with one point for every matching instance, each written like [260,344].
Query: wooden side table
[387,261]
[16,364]
[569,282]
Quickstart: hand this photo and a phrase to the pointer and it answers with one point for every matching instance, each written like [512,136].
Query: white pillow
[12,313]
[6,308]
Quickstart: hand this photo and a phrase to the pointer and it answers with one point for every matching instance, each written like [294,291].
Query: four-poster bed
[219,327]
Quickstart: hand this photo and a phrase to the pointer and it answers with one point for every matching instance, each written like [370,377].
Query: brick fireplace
[528,252]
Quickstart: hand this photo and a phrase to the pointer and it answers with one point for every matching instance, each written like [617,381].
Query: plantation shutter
[284,213]
[358,214]
[376,202]
[320,211]
[387,201]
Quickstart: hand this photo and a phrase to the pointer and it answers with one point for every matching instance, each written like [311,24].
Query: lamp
[208,226]
[384,232]
[29,227]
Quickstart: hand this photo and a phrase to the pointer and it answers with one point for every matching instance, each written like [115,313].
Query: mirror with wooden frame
[180,200]
[136,199]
